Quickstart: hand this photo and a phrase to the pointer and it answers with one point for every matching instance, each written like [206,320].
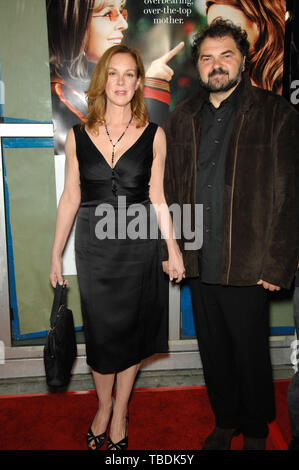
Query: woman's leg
[125,382]
[104,386]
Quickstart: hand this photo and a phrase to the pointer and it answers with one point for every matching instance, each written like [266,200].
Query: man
[234,148]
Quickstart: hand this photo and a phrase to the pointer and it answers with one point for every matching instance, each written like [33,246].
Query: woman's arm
[156,193]
[67,208]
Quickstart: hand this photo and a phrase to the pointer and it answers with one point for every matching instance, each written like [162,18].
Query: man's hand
[159,67]
[267,285]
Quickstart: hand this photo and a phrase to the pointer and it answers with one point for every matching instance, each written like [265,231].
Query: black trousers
[232,326]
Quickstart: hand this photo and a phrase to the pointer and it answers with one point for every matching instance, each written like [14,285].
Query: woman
[79,32]
[264,22]
[117,154]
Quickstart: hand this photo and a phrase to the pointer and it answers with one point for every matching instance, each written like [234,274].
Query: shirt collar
[232,99]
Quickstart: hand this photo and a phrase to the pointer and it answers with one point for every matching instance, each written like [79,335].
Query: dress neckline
[123,154]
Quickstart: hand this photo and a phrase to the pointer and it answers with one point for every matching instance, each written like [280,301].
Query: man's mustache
[217,71]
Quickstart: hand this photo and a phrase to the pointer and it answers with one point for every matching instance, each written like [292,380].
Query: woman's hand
[56,272]
[174,267]
[165,267]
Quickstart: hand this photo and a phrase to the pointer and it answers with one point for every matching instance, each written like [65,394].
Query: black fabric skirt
[122,285]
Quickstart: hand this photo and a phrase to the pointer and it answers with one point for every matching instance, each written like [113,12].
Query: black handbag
[60,349]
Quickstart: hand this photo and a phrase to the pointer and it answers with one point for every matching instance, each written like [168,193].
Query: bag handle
[59,300]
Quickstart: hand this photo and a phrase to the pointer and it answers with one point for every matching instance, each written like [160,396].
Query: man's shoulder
[268,99]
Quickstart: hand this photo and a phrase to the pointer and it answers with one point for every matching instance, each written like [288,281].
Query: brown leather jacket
[261,199]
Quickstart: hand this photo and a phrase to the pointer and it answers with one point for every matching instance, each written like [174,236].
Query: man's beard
[220,86]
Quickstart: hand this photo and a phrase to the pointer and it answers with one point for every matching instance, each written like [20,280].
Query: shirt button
[213,163]
[216,141]
[219,119]
[208,208]
[209,186]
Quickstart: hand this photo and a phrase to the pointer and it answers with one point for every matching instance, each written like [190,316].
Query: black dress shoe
[254,443]
[220,439]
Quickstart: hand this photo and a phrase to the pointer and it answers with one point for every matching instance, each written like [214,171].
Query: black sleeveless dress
[118,258]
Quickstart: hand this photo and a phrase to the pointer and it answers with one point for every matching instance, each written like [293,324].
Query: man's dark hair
[219,29]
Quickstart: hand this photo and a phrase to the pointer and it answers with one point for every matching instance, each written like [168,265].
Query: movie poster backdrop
[79,31]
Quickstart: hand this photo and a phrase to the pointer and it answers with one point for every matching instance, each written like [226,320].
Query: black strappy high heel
[99,440]
[121,445]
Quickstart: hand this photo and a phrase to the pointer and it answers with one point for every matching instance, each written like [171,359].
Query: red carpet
[160,419]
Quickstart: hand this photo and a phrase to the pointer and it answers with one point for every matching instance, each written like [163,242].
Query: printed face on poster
[80,31]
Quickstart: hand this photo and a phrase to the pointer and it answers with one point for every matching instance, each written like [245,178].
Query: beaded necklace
[113,185]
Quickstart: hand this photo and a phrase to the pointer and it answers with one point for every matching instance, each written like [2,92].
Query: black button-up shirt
[216,127]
